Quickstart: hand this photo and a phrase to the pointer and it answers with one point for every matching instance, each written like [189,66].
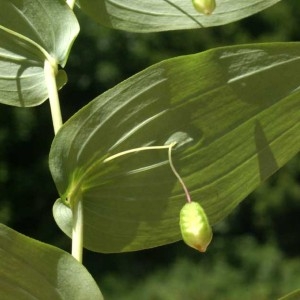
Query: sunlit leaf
[235,112]
[162,15]
[30,32]
[33,270]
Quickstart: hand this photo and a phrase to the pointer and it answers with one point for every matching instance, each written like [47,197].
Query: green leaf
[33,270]
[235,112]
[163,15]
[30,32]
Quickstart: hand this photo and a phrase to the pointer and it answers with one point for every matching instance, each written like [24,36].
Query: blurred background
[255,253]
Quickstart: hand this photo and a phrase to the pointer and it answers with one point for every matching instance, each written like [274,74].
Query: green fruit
[205,6]
[195,229]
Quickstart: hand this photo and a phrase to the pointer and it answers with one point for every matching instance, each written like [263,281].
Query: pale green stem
[188,197]
[71,3]
[50,72]
[77,231]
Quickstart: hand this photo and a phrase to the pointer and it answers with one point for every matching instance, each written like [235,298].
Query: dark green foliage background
[255,253]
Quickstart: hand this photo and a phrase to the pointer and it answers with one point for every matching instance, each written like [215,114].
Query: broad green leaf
[163,15]
[33,270]
[235,112]
[30,32]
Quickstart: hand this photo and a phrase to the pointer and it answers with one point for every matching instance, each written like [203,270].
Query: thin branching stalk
[136,150]
[188,197]
[50,72]
[169,147]
[77,232]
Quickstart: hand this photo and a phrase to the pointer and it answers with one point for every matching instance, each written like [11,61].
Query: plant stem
[188,197]
[77,231]
[71,3]
[50,72]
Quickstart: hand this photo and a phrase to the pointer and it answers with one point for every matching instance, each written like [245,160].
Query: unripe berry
[205,6]
[195,229]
